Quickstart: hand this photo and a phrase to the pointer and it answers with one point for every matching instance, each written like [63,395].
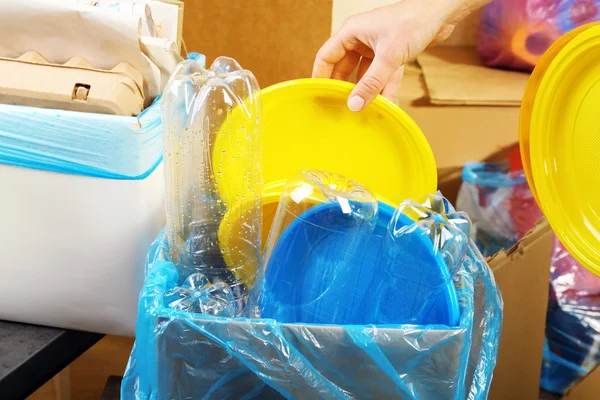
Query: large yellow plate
[529,98]
[565,146]
[307,124]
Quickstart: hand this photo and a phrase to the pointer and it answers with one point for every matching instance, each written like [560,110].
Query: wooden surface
[89,373]
[112,390]
[276,39]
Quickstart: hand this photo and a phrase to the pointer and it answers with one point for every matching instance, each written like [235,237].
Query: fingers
[341,53]
[392,88]
[364,65]
[372,83]
[345,66]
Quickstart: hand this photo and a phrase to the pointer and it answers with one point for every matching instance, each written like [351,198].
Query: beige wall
[342,9]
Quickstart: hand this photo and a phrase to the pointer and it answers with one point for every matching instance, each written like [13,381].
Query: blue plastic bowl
[302,285]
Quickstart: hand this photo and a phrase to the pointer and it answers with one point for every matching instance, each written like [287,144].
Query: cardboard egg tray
[31,80]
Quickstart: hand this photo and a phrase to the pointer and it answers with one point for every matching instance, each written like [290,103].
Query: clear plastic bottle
[212,163]
[424,247]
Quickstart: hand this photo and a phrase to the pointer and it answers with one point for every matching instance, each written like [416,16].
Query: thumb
[372,83]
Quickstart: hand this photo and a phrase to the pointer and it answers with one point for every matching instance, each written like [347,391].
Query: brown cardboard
[465,33]
[31,80]
[457,133]
[455,76]
[276,39]
[522,275]
[586,389]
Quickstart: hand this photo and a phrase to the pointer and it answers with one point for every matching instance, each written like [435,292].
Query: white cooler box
[82,200]
[74,247]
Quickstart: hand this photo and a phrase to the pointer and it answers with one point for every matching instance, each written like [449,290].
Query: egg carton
[31,80]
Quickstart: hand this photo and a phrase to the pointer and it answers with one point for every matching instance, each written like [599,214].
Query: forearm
[459,9]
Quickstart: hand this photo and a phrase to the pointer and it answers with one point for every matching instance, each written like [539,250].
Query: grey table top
[31,355]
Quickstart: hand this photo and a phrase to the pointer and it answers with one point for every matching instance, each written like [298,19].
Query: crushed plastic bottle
[423,249]
[198,295]
[213,173]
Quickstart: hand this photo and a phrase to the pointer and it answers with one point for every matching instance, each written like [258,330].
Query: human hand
[381,41]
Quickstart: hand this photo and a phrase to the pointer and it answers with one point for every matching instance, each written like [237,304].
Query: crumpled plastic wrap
[78,143]
[183,355]
[572,323]
[500,204]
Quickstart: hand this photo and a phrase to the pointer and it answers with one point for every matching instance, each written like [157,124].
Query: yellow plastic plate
[529,98]
[307,124]
[565,146]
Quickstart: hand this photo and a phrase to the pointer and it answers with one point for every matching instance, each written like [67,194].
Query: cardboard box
[586,389]
[276,39]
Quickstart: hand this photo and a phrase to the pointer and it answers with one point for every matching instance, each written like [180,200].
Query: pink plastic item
[515,33]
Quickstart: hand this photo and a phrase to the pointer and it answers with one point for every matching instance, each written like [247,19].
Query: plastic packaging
[79,143]
[515,33]
[572,323]
[180,355]
[311,268]
[422,249]
[213,225]
[499,203]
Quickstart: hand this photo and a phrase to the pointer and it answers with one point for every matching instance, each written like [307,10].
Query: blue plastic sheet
[79,143]
[181,355]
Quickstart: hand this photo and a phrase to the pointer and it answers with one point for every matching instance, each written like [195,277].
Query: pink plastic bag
[515,33]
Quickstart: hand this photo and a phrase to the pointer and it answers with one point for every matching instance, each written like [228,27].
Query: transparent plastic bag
[572,323]
[499,203]
[213,176]
[181,355]
[514,34]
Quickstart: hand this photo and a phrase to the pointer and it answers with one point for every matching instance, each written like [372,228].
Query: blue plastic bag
[180,355]
[500,204]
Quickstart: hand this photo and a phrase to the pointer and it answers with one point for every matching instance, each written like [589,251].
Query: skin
[379,42]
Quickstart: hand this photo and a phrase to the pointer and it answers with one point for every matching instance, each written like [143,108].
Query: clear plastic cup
[311,267]
[212,162]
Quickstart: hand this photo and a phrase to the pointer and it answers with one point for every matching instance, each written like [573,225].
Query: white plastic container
[73,248]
